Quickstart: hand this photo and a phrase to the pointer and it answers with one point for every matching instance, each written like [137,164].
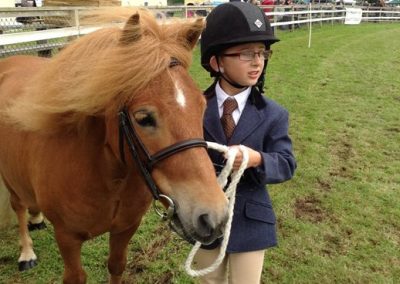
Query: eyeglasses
[251,55]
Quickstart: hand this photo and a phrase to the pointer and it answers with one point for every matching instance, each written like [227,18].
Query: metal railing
[27,30]
[44,30]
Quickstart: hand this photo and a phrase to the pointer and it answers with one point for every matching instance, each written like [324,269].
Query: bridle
[146,163]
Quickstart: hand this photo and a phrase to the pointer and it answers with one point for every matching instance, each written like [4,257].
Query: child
[235,48]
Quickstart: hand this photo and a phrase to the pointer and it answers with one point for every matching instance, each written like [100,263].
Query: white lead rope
[230,194]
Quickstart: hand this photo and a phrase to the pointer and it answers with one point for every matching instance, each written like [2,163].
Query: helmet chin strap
[261,79]
[233,84]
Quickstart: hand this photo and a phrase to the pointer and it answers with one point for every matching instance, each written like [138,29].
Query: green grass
[339,218]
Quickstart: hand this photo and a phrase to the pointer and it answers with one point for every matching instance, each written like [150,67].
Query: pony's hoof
[26,265]
[38,226]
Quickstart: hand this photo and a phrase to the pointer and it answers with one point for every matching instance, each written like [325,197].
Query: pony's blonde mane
[98,74]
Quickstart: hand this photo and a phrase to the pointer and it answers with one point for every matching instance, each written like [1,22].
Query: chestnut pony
[78,137]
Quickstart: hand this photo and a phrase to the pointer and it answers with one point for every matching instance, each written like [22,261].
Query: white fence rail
[43,29]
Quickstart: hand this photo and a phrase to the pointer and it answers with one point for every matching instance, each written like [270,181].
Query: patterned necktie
[228,124]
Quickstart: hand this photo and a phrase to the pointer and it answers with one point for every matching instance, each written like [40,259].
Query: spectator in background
[26,20]
[281,18]
[269,3]
[288,18]
[288,9]
[190,13]
[28,3]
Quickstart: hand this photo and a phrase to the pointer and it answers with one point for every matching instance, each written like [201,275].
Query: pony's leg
[27,259]
[118,253]
[36,220]
[70,248]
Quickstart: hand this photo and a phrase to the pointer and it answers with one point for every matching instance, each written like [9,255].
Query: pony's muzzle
[208,227]
[205,226]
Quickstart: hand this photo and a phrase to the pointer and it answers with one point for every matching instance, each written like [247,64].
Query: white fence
[24,30]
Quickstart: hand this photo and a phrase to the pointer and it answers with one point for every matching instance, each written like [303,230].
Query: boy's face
[241,64]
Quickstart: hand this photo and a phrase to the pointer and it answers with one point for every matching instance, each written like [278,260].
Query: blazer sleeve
[279,162]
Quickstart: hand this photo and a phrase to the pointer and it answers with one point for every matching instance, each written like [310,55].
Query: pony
[111,116]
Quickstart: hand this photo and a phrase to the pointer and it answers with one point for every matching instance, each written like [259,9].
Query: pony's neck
[99,140]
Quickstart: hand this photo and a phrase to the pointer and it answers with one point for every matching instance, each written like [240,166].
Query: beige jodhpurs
[236,268]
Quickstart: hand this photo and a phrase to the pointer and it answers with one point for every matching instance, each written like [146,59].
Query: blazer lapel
[250,119]
[212,123]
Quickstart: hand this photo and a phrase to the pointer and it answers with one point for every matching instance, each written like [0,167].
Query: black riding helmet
[231,24]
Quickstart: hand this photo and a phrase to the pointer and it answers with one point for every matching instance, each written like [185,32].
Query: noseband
[136,147]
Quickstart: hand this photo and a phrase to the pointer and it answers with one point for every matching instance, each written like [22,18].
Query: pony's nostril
[205,225]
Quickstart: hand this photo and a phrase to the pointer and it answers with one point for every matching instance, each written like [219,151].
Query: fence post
[321,16]
[1,46]
[45,52]
[309,24]
[343,16]
[292,18]
[275,29]
[74,14]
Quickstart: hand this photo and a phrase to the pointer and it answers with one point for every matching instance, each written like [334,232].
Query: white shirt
[240,98]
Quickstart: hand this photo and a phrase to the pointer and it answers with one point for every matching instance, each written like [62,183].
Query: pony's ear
[132,31]
[190,33]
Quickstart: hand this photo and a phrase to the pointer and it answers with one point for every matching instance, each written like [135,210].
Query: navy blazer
[263,126]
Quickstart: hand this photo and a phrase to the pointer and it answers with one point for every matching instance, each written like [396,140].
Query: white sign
[353,16]
[7,3]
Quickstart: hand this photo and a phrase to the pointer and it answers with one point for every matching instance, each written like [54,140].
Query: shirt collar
[240,98]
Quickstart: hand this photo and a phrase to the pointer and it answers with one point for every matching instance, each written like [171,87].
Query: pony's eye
[145,119]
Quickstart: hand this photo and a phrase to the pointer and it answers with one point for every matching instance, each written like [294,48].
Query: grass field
[339,218]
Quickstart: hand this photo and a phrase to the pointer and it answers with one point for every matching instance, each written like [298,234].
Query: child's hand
[254,158]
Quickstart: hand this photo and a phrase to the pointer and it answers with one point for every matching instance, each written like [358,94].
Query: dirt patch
[324,185]
[342,153]
[341,172]
[6,260]
[162,235]
[165,278]
[274,274]
[332,244]
[393,129]
[148,254]
[309,208]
